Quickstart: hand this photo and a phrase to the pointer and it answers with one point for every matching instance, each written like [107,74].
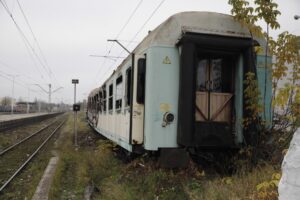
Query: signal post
[76,107]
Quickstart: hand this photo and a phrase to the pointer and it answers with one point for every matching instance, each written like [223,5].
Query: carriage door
[214,92]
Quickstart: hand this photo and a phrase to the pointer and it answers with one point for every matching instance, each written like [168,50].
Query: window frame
[128,87]
[119,98]
[104,99]
[111,98]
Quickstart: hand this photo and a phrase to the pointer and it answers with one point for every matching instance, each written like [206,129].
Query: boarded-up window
[104,98]
[110,97]
[128,86]
[119,92]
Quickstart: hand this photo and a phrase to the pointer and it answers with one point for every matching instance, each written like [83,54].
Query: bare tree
[6,101]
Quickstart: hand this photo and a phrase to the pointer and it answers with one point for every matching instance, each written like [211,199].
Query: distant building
[22,107]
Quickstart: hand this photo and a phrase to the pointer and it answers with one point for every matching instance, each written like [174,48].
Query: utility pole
[28,107]
[13,91]
[39,105]
[50,92]
[13,96]
[49,98]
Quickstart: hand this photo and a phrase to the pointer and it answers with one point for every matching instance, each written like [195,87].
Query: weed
[95,163]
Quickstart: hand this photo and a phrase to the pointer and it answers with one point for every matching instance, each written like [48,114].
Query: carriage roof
[171,31]
[93,92]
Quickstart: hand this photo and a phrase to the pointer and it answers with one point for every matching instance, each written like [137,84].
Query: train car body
[182,86]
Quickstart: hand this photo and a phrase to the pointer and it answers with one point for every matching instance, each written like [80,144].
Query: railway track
[14,158]
[12,136]
[15,123]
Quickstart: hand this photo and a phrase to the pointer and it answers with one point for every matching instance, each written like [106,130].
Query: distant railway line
[14,158]
[14,123]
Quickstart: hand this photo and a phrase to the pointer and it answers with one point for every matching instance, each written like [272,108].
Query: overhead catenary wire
[134,37]
[118,35]
[35,39]
[11,67]
[33,60]
[5,4]
[146,22]
[33,35]
[22,85]
[25,39]
[7,77]
[129,19]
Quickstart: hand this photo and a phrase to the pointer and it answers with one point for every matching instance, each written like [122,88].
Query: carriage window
[201,75]
[93,102]
[110,98]
[141,76]
[128,86]
[104,98]
[100,101]
[215,74]
[119,92]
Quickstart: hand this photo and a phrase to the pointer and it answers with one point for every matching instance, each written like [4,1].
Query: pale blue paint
[261,84]
[162,87]
[238,102]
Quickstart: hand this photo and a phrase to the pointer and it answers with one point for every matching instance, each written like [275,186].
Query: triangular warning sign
[167,60]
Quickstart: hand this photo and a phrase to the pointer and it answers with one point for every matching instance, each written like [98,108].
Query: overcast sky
[68,31]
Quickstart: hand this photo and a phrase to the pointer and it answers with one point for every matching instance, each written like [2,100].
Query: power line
[128,20]
[138,32]
[119,33]
[152,14]
[11,75]
[32,59]
[143,26]
[25,38]
[126,23]
[17,82]
[31,31]
[30,56]
[11,67]
[6,7]
[35,39]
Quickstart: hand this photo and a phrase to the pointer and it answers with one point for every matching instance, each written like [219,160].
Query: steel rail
[11,124]
[25,139]
[29,159]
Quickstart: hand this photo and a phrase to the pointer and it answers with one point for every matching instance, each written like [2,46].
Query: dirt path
[43,188]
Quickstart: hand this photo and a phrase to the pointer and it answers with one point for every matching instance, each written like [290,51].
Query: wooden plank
[201,111]
[220,108]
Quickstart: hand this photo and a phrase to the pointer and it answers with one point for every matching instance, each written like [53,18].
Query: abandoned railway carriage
[182,86]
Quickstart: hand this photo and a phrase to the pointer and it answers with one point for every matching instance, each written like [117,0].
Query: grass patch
[10,136]
[24,185]
[94,163]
